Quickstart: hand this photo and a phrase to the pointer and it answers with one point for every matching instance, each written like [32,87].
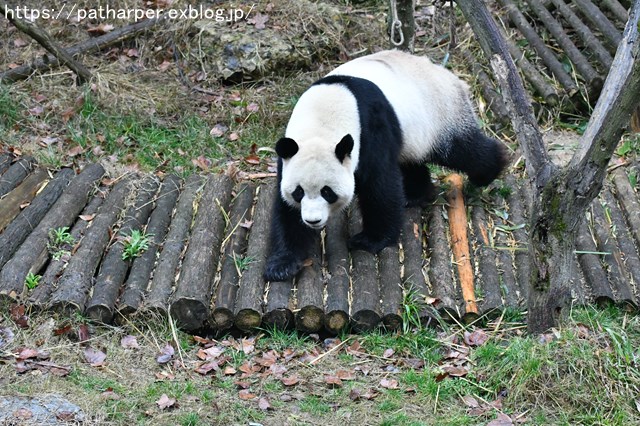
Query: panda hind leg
[382,204]
[418,188]
[482,158]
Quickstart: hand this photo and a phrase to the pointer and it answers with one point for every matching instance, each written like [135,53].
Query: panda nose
[313,222]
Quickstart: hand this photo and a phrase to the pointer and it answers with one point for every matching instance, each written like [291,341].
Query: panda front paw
[365,242]
[282,268]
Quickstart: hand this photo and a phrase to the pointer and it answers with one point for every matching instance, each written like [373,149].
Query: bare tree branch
[538,164]
[48,43]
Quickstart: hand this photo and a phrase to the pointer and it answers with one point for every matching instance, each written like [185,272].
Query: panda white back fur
[370,127]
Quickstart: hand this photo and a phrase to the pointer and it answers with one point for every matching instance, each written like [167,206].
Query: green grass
[134,244]
[10,109]
[153,143]
[32,280]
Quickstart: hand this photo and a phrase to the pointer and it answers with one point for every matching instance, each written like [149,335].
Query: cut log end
[222,318]
[100,313]
[280,319]
[309,319]
[365,320]
[248,319]
[336,321]
[189,313]
[391,322]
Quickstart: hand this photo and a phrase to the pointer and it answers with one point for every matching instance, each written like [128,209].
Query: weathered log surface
[233,260]
[75,283]
[11,205]
[114,266]
[337,288]
[15,174]
[32,254]
[190,306]
[249,300]
[156,230]
[160,289]
[22,226]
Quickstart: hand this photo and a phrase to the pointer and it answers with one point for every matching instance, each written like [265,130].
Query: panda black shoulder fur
[369,128]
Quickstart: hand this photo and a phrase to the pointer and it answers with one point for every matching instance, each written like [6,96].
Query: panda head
[316,180]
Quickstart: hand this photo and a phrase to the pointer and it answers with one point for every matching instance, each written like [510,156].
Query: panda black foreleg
[418,188]
[290,242]
[381,200]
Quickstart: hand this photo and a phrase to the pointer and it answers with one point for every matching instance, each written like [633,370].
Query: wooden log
[90,45]
[591,77]
[628,251]
[579,291]
[540,47]
[590,40]
[516,203]
[46,41]
[458,223]
[594,274]
[113,269]
[628,203]
[75,283]
[490,305]
[505,254]
[12,204]
[413,276]
[336,317]
[365,290]
[278,313]
[191,302]
[390,288]
[440,275]
[161,287]
[39,297]
[20,228]
[600,21]
[249,299]
[309,315]
[619,278]
[15,174]
[32,254]
[5,162]
[537,80]
[234,258]
[489,92]
[142,266]
[619,11]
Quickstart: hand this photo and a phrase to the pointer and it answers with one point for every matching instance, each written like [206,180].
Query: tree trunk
[402,26]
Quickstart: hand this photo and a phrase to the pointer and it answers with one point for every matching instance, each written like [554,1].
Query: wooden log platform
[563,49]
[210,241]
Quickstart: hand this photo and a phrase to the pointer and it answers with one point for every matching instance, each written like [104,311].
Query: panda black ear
[344,148]
[286,148]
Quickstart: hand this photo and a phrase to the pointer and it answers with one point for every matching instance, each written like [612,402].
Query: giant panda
[369,127]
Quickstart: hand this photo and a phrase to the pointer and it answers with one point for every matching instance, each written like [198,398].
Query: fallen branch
[87,46]
[46,41]
[460,242]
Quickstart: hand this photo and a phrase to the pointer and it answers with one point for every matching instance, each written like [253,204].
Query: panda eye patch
[298,194]
[328,194]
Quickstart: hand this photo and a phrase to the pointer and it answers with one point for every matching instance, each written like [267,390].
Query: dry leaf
[95,357]
[501,420]
[245,394]
[129,342]
[259,20]
[388,353]
[165,402]
[470,401]
[87,217]
[166,354]
[389,383]
[264,404]
[290,381]
[476,338]
[83,333]
[345,375]
[333,381]
[18,42]
[100,29]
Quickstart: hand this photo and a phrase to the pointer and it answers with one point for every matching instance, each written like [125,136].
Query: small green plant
[136,243]
[60,242]
[32,280]
[242,262]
